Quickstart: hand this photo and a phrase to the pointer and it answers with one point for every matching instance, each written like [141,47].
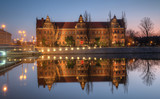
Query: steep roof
[73,24]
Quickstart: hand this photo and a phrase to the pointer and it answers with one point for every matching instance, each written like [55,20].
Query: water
[80,77]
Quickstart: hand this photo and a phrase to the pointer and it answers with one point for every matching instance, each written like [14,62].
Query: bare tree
[87,20]
[146,26]
[131,33]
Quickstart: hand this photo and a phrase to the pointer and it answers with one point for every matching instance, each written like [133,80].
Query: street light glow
[3,26]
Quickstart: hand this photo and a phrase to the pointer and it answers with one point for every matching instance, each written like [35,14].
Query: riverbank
[94,50]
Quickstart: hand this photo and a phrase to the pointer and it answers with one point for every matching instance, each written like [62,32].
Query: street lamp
[22,33]
[3,26]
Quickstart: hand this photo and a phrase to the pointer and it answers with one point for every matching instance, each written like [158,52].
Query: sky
[21,14]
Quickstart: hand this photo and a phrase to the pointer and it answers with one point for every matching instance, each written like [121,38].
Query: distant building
[106,34]
[5,37]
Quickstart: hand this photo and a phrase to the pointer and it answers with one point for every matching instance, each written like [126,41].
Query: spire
[82,85]
[114,17]
[47,19]
[80,19]
[49,87]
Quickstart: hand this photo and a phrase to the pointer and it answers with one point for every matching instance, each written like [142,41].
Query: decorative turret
[80,19]
[47,19]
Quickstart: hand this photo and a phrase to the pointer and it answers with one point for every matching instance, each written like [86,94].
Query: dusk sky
[22,14]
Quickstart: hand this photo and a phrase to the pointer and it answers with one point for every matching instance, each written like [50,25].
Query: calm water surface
[78,77]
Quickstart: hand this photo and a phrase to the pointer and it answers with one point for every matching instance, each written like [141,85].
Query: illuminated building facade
[82,71]
[82,33]
[5,37]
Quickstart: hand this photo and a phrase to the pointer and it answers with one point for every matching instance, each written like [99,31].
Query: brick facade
[105,34]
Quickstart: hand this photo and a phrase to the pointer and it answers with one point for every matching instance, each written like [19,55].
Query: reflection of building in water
[83,71]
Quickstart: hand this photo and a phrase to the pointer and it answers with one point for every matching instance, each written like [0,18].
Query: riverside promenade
[98,50]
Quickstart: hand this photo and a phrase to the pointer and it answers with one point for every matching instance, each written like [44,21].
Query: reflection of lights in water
[72,57]
[25,70]
[60,57]
[48,57]
[84,58]
[66,49]
[21,77]
[89,58]
[33,68]
[24,77]
[2,62]
[5,88]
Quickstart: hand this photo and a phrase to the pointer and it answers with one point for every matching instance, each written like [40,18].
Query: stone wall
[94,50]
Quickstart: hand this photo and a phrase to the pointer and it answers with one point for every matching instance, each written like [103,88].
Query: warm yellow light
[25,70]
[48,57]
[5,88]
[66,49]
[20,32]
[83,48]
[32,37]
[84,58]
[42,57]
[72,57]
[77,48]
[24,35]
[3,26]
[54,50]
[21,77]
[89,47]
[77,57]
[33,68]
[60,49]
[66,57]
[95,58]
[94,47]
[100,58]
[54,57]
[48,50]
[24,31]
[60,57]
[72,48]
[24,77]
[129,44]
[42,50]
[89,58]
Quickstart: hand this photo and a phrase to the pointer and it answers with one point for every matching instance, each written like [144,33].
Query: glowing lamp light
[60,57]
[24,77]
[3,26]
[72,57]
[48,50]
[84,58]
[89,58]
[21,77]
[66,57]
[83,48]
[100,58]
[25,70]
[54,57]
[95,58]
[48,57]
[77,48]
[33,68]
[60,49]
[77,57]
[66,49]
[72,48]
[54,50]
[89,47]
[5,88]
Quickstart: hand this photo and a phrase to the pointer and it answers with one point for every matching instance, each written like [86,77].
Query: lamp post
[23,34]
